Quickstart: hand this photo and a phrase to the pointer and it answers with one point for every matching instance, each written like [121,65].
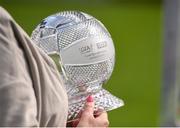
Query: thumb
[89,107]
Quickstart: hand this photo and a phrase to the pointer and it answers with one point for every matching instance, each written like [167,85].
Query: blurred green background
[136,28]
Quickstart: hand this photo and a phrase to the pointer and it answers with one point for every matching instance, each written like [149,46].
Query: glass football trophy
[86,56]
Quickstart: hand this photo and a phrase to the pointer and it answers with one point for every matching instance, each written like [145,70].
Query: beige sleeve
[17,98]
[31,90]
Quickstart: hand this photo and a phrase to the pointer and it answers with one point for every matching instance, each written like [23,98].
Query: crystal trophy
[86,55]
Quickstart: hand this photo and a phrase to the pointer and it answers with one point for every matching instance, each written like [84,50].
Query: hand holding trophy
[86,56]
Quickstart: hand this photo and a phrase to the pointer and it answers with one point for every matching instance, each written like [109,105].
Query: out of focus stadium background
[136,27]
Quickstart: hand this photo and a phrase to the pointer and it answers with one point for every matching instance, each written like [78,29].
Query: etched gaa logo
[86,49]
[90,48]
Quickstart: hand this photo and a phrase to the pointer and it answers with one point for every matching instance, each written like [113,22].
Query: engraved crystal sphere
[86,55]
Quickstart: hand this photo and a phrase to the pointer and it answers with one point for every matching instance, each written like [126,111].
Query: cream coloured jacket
[31,91]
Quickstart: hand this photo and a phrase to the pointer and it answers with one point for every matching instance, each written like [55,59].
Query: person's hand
[87,118]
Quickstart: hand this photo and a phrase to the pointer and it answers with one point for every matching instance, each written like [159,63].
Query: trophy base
[104,101]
